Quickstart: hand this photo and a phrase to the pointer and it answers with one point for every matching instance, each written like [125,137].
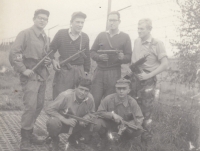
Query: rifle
[71,58]
[41,61]
[135,67]
[109,51]
[129,125]
[133,126]
[37,66]
[80,118]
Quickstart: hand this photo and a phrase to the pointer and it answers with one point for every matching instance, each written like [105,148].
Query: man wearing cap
[77,102]
[144,83]
[68,42]
[29,47]
[108,69]
[117,107]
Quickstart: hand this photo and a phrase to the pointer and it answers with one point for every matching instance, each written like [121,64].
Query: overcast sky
[16,15]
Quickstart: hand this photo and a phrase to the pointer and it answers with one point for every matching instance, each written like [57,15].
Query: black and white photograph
[99,75]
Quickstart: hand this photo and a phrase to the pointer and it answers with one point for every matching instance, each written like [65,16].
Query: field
[176,116]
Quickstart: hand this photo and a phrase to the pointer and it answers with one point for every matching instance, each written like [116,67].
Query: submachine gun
[135,67]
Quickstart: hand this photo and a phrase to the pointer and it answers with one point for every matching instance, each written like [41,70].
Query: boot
[36,140]
[25,141]
[54,145]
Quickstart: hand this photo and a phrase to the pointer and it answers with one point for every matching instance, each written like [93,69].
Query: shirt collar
[114,34]
[117,101]
[70,32]
[37,31]
[148,40]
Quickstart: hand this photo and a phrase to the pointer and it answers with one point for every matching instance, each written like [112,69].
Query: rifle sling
[110,44]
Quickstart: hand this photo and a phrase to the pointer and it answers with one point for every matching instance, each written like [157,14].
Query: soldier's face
[113,21]
[77,24]
[122,91]
[143,30]
[82,92]
[40,21]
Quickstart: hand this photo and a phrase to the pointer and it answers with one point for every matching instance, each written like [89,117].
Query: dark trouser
[56,127]
[103,83]
[33,99]
[66,79]
[104,126]
[143,92]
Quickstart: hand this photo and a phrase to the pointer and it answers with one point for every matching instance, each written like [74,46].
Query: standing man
[116,108]
[143,84]
[29,47]
[68,42]
[108,69]
[77,102]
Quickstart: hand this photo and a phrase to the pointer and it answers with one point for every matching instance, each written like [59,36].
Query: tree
[189,44]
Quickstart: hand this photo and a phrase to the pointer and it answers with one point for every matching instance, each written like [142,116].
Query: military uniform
[128,109]
[29,47]
[67,101]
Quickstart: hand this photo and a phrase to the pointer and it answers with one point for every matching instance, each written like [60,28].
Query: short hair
[78,14]
[85,82]
[147,21]
[115,13]
[41,11]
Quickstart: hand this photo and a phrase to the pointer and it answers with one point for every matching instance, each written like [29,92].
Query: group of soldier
[108,99]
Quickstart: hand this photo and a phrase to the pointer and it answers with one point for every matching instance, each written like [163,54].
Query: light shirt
[67,101]
[152,47]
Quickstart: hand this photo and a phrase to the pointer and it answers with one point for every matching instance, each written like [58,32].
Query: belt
[67,67]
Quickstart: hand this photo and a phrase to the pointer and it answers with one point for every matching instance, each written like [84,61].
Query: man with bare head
[143,84]
[117,47]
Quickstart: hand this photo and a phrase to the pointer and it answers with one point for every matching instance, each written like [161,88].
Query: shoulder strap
[150,46]
[109,40]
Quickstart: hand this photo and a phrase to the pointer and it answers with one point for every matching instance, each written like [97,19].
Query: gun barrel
[40,62]
[109,51]
[80,119]
[71,57]
[128,124]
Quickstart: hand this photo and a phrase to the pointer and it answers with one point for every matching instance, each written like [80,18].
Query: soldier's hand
[120,56]
[47,61]
[56,65]
[103,57]
[117,118]
[28,73]
[71,122]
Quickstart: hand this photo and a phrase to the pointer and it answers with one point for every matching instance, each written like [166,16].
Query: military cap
[78,14]
[41,11]
[122,83]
